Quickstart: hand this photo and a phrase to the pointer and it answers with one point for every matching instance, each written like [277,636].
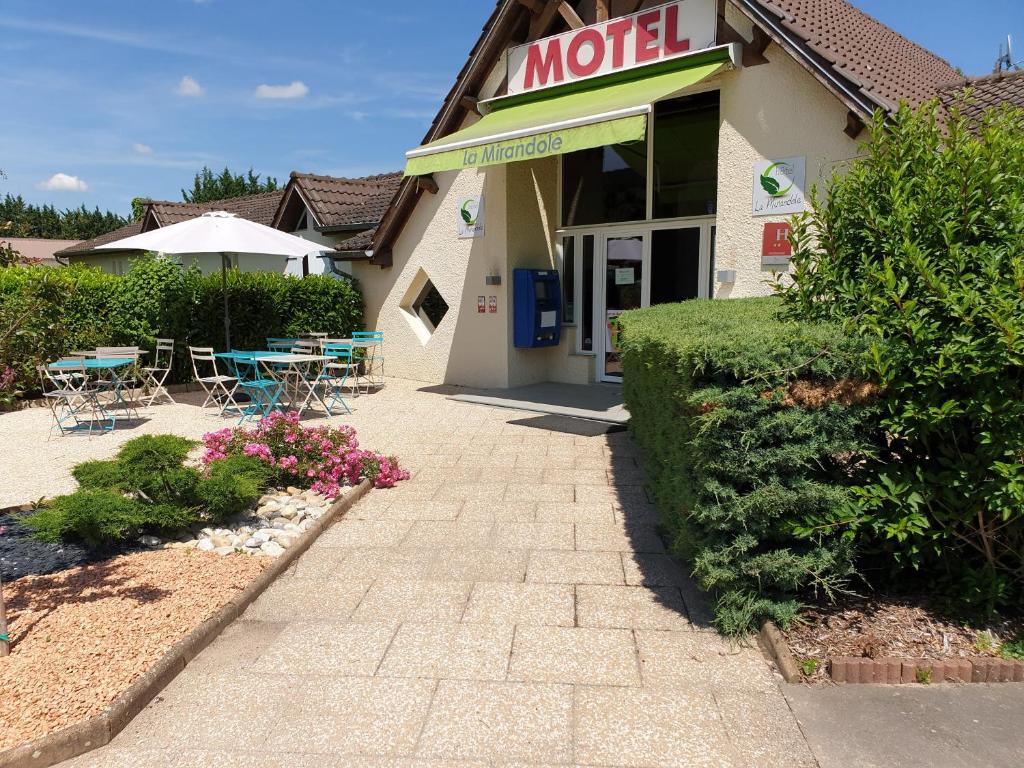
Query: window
[424,306]
[568,280]
[685,169]
[675,265]
[610,185]
[605,185]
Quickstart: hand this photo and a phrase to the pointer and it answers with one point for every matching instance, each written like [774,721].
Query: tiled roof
[128,230]
[260,208]
[338,201]
[358,244]
[984,92]
[881,63]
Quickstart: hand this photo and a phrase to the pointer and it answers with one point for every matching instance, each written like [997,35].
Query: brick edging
[982,669]
[98,731]
[774,645]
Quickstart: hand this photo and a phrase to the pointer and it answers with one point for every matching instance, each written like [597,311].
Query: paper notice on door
[548,319]
[625,276]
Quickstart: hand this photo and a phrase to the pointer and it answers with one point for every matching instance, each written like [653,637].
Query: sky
[107,100]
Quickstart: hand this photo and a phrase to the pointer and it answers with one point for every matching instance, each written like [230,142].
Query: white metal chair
[156,374]
[216,384]
[123,384]
[72,399]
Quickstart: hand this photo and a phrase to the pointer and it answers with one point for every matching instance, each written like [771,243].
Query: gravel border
[98,731]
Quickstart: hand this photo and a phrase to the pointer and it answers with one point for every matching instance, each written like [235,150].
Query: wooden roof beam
[541,22]
[601,10]
[535,6]
[569,14]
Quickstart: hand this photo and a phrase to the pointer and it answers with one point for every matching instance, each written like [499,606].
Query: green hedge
[46,313]
[751,472]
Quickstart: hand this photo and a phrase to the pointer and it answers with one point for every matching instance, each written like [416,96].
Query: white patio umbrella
[217,232]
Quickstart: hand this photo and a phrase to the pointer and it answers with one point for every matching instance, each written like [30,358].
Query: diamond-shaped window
[424,306]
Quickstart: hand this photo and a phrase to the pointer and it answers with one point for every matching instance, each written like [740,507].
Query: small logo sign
[481,304]
[471,217]
[492,304]
[779,186]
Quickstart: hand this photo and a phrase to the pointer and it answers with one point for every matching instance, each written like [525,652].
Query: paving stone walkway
[511,605]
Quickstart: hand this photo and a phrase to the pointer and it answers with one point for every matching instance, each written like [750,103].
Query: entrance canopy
[561,120]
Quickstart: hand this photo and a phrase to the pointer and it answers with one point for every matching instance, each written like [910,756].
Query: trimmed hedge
[755,429]
[46,313]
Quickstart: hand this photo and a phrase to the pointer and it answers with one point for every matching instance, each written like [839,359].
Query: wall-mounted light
[493,279]
[726,276]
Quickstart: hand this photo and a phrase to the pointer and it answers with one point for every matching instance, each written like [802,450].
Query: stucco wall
[467,347]
[770,111]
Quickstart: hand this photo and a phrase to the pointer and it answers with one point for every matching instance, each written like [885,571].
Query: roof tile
[338,201]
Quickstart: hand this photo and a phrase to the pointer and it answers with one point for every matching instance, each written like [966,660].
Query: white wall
[770,111]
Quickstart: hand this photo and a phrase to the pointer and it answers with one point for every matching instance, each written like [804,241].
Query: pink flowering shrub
[322,458]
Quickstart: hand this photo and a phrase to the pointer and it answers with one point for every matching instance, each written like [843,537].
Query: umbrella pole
[224,287]
[5,642]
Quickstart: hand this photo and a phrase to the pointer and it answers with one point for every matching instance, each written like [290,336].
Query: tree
[919,247]
[30,220]
[206,186]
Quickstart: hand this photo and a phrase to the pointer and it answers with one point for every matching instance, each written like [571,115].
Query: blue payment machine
[537,294]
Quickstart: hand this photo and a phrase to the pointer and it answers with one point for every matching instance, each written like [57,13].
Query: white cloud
[142,149]
[189,87]
[62,182]
[294,90]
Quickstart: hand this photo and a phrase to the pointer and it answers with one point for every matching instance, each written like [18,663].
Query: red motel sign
[665,32]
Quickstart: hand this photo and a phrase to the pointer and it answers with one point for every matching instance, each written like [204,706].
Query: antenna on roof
[1005,62]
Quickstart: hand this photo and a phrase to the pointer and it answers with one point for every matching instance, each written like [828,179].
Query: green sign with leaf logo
[778,186]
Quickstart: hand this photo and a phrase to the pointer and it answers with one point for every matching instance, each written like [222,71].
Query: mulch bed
[887,627]
[82,636]
[21,555]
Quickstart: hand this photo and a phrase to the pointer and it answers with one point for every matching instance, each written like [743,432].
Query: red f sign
[653,35]
[776,240]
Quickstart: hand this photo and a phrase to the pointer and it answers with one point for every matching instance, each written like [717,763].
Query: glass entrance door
[622,287]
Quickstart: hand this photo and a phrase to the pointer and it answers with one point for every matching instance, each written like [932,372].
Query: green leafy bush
[755,429]
[918,248]
[232,486]
[46,313]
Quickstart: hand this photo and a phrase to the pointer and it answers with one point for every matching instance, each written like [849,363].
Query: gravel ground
[21,555]
[35,463]
[81,637]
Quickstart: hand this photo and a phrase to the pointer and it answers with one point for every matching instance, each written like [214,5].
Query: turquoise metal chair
[263,392]
[334,375]
[373,357]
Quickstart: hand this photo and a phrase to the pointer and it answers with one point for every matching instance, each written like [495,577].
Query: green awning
[560,121]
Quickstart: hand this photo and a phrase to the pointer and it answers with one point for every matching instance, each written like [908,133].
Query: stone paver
[510,605]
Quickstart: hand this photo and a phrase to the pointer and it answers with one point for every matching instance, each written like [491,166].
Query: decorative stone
[220,541]
[287,540]
[253,543]
[293,491]
[272,548]
[224,550]
[205,545]
[149,541]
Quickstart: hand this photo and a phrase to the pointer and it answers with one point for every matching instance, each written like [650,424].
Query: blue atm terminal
[537,294]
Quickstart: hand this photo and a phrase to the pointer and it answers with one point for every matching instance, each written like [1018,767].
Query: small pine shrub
[152,465]
[1013,649]
[97,518]
[232,486]
[100,474]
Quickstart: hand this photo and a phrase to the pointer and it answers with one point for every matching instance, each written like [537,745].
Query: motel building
[629,154]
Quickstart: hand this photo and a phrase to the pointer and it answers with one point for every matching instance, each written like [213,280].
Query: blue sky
[120,99]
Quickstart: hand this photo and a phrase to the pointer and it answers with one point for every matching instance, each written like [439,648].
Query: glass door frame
[601,289]
[601,235]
